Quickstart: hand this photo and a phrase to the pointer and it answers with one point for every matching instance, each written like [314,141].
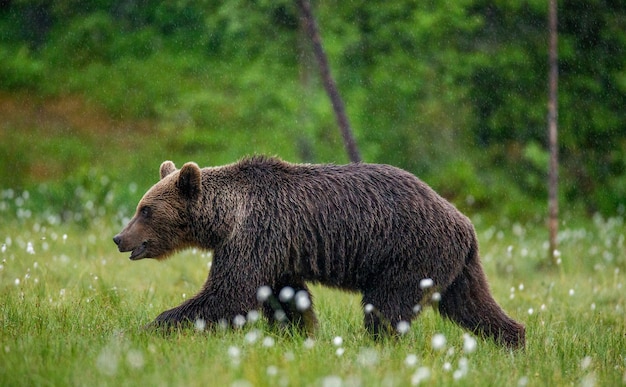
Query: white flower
[403,327]
[411,360]
[263,293]
[286,294]
[426,283]
[30,249]
[303,302]
[438,342]
[337,341]
[200,324]
[469,343]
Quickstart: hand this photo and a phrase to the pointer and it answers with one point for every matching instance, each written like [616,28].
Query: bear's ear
[190,181]
[166,168]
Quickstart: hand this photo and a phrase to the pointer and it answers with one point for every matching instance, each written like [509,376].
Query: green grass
[72,309]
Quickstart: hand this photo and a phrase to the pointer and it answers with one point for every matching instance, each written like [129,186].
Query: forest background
[95,94]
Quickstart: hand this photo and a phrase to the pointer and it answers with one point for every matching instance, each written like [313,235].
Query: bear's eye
[145,211]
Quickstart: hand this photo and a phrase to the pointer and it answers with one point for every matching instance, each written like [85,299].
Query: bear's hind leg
[469,303]
[291,305]
[389,312]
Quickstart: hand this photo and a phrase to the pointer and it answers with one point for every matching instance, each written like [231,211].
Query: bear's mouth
[139,252]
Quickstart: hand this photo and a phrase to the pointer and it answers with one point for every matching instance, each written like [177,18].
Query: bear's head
[161,223]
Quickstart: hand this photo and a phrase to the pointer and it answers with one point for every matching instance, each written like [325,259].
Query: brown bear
[274,226]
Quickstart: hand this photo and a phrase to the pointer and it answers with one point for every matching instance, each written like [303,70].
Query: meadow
[72,310]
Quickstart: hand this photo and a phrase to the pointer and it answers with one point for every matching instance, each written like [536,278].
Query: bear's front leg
[171,318]
[214,304]
[174,318]
[229,291]
[200,308]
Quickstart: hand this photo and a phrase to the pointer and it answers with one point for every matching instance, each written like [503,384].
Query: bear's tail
[469,303]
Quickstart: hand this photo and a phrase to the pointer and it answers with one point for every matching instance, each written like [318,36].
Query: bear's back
[355,182]
[343,223]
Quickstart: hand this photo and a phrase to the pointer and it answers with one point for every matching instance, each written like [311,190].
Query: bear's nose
[117,239]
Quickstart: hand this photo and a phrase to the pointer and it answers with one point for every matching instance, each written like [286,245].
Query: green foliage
[509,93]
[18,69]
[428,86]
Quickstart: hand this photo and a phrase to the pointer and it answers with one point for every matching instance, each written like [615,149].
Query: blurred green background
[94,95]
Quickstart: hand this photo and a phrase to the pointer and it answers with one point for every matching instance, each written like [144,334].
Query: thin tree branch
[328,81]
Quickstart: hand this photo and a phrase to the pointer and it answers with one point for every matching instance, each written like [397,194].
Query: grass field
[72,308]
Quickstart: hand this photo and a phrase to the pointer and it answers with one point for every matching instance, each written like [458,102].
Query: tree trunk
[329,82]
[553,205]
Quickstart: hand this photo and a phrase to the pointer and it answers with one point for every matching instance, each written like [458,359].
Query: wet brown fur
[375,229]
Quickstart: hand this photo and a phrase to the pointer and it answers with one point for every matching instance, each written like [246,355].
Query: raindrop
[337,341]
[368,308]
[436,297]
[340,351]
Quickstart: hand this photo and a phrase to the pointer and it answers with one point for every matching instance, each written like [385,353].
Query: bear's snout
[117,239]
